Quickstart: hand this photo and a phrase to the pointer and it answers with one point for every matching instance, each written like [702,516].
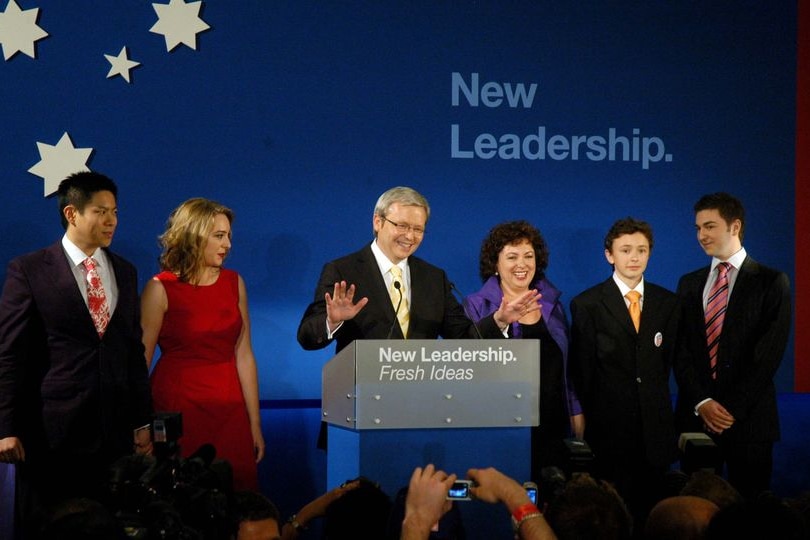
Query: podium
[394,405]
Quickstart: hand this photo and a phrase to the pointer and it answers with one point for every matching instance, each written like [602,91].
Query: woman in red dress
[196,312]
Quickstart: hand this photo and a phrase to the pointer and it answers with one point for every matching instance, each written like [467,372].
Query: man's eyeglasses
[404,228]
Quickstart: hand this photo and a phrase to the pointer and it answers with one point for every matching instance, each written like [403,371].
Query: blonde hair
[186,235]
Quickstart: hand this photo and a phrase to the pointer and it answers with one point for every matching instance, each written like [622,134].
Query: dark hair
[729,207]
[360,513]
[588,508]
[252,506]
[77,190]
[628,225]
[511,232]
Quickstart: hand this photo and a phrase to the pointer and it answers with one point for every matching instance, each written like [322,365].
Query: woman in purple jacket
[513,260]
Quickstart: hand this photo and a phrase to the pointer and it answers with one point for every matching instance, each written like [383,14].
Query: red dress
[196,373]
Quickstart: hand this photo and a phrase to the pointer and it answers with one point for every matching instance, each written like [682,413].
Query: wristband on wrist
[524,513]
[293,521]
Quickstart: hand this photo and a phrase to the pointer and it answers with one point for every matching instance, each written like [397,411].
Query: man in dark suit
[620,368]
[74,389]
[725,374]
[402,296]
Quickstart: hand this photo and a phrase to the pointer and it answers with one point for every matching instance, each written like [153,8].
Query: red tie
[96,298]
[716,313]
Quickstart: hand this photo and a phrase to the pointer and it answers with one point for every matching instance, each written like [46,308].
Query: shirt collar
[77,256]
[625,289]
[383,262]
[735,260]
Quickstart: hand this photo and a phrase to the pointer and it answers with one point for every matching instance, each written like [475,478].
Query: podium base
[389,457]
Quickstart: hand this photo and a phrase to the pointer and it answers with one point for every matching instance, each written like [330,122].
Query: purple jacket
[486,301]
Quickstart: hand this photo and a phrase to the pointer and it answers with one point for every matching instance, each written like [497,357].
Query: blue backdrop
[298,114]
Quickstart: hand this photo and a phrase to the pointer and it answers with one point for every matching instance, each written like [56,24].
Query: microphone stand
[398,287]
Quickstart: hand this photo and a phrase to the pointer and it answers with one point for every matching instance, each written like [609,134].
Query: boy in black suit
[623,337]
[736,325]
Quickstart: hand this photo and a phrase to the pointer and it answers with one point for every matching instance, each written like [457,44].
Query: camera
[531,491]
[460,491]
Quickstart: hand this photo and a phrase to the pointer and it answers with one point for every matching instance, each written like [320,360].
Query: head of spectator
[361,512]
[680,518]
[82,519]
[713,487]
[255,517]
[587,508]
[766,516]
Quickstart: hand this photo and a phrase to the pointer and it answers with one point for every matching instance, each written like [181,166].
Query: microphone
[398,287]
[464,307]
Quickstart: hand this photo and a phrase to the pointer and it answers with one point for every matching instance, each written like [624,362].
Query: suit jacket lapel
[377,292]
[612,298]
[740,292]
[65,281]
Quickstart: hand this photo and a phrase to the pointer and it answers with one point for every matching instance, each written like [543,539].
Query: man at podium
[399,296]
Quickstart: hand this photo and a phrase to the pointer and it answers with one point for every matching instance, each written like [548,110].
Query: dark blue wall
[298,114]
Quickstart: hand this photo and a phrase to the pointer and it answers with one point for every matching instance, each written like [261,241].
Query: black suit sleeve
[770,340]
[691,345]
[17,325]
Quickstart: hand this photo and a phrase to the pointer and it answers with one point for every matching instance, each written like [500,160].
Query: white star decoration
[19,30]
[121,64]
[57,162]
[179,23]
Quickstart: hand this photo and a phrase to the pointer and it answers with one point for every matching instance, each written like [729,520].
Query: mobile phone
[460,491]
[531,491]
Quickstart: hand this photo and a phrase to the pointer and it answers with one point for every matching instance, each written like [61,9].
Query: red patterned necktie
[716,314]
[96,298]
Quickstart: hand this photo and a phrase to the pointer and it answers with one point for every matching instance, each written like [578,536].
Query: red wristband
[523,511]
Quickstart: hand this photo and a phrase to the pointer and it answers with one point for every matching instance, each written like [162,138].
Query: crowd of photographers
[191,499]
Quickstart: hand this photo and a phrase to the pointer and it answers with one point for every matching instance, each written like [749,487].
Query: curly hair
[186,235]
[511,232]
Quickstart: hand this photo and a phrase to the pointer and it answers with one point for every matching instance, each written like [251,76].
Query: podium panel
[394,405]
[392,384]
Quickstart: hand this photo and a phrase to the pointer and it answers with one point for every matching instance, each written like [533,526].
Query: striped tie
[716,313]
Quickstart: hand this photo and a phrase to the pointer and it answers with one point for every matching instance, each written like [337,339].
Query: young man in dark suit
[401,296]
[74,389]
[623,342]
[736,325]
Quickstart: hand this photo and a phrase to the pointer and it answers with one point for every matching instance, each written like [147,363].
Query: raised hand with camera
[492,486]
[427,501]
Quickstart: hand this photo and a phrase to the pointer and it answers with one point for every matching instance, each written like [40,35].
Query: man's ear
[70,212]
[736,225]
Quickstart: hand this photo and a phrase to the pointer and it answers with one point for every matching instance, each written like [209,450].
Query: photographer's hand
[11,450]
[494,486]
[316,508]
[142,442]
[426,502]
